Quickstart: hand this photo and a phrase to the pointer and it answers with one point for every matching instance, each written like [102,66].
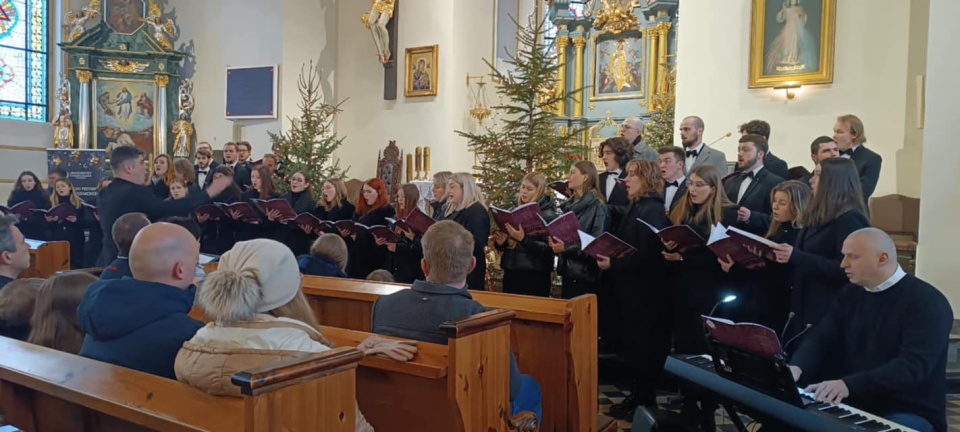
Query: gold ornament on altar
[162,31]
[76,20]
[63,123]
[124,66]
[183,127]
[616,16]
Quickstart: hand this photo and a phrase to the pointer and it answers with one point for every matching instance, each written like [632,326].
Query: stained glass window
[23,60]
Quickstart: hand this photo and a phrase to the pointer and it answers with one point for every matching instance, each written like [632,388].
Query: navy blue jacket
[319,265]
[118,269]
[136,324]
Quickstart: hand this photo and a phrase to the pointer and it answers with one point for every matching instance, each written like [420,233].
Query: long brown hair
[838,191]
[55,316]
[411,197]
[167,176]
[18,299]
[711,211]
[799,194]
[649,174]
[184,169]
[267,188]
[592,183]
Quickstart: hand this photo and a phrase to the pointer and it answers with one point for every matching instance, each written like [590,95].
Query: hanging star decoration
[95,160]
[57,161]
[75,155]
[8,17]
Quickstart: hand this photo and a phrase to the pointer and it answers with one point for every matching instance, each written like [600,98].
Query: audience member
[380,275]
[124,230]
[14,251]
[16,305]
[328,257]
[54,319]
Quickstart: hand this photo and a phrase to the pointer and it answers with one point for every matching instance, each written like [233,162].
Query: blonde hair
[341,189]
[332,247]
[471,193]
[448,250]
[539,182]
[74,198]
[17,300]
[856,127]
[54,321]
[381,275]
[799,194]
[442,178]
[649,174]
[184,170]
[299,309]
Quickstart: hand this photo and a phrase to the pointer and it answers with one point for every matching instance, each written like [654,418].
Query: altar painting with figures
[124,114]
[124,16]
[618,66]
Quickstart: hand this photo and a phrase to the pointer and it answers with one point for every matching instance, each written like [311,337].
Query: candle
[409,167]
[426,161]
[419,160]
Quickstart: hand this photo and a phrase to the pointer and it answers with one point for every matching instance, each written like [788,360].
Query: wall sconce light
[789,89]
[480,109]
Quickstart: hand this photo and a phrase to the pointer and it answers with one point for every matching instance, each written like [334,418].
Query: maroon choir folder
[684,236]
[606,244]
[732,242]
[211,210]
[247,213]
[311,221]
[277,204]
[381,231]
[750,337]
[562,187]
[417,222]
[21,209]
[565,228]
[526,216]
[60,211]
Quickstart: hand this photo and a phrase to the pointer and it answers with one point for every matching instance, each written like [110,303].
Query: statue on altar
[615,16]
[63,123]
[183,126]
[376,20]
[76,20]
[161,30]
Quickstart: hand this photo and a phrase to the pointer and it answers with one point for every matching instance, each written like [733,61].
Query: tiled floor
[611,394]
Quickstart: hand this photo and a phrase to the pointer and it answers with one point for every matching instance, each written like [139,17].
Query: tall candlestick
[409,167]
[419,152]
[426,162]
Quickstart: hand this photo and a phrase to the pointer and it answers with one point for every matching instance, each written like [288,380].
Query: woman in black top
[373,209]
[92,221]
[162,174]
[465,206]
[70,229]
[261,187]
[579,272]
[835,211]
[438,205]
[28,188]
[300,198]
[333,206]
[527,261]
[218,236]
[404,260]
[183,169]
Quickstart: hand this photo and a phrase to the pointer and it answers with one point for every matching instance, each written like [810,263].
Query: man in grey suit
[632,131]
[691,134]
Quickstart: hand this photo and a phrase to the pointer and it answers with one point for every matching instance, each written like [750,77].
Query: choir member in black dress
[638,286]
[92,221]
[373,209]
[850,137]
[300,198]
[440,181]
[404,258]
[218,236]
[578,272]
[261,187]
[28,188]
[767,285]
[71,229]
[162,174]
[178,189]
[334,204]
[184,169]
[465,206]
[835,211]
[527,261]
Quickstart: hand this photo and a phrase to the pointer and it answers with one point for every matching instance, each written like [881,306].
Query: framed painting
[124,114]
[421,65]
[618,66]
[792,42]
[124,16]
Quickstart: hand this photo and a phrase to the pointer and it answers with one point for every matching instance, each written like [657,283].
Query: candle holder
[419,161]
[426,162]
[409,167]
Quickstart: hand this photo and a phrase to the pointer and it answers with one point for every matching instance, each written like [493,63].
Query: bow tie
[204,172]
[673,183]
[692,153]
[848,152]
[614,173]
[748,175]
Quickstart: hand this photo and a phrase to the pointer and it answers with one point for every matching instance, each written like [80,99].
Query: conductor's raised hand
[218,185]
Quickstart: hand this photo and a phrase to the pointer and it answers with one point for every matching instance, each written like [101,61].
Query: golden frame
[434,52]
[594,42]
[759,79]
[156,122]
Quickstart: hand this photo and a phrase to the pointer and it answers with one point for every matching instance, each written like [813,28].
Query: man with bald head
[632,131]
[698,153]
[141,323]
[882,347]
[124,230]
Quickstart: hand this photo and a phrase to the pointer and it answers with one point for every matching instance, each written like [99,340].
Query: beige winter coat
[216,353]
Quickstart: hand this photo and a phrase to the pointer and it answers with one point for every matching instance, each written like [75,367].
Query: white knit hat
[255,276]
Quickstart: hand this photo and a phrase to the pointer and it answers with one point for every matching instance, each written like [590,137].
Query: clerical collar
[697,149]
[897,275]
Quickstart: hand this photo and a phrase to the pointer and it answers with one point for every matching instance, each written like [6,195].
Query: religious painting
[617,66]
[124,114]
[792,42]
[124,16]
[421,65]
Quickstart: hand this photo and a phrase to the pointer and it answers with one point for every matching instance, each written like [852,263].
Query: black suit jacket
[774,164]
[122,197]
[868,166]
[241,176]
[757,196]
[618,196]
[681,191]
[206,182]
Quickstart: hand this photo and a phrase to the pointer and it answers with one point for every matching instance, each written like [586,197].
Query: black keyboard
[813,416]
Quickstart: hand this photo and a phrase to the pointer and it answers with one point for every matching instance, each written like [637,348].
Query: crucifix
[382,22]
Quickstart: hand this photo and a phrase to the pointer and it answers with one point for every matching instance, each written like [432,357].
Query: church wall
[22,147]
[873,79]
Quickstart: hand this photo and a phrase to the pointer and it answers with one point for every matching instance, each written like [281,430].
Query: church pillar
[162,82]
[940,186]
[663,74]
[84,76]
[562,43]
[652,57]
[579,42]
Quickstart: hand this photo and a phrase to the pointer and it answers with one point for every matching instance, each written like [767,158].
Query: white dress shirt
[202,176]
[671,191]
[746,183]
[897,275]
[612,181]
[691,159]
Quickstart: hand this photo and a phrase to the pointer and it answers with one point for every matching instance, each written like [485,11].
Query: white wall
[22,134]
[872,79]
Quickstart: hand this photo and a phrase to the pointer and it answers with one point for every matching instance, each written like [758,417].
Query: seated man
[14,250]
[417,313]
[882,347]
[124,230]
[141,323]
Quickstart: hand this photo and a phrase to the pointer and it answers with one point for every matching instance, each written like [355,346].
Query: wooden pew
[555,341]
[47,390]
[46,259]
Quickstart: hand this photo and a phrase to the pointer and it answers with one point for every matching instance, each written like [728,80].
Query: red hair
[362,207]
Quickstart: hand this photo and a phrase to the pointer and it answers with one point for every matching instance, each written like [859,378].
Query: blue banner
[84,168]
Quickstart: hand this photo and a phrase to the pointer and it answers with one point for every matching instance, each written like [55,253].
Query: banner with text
[84,168]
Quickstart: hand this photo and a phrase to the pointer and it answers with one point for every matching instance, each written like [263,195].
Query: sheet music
[35,244]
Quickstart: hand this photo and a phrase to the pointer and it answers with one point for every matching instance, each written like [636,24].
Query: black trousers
[528,282]
[570,288]
[646,335]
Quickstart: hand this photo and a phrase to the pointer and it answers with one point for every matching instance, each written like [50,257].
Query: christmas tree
[309,145]
[527,138]
[659,130]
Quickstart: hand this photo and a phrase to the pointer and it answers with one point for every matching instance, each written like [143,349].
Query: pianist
[882,347]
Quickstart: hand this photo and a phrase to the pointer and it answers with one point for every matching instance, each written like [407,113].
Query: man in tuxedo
[632,131]
[672,159]
[770,162]
[691,134]
[127,194]
[243,153]
[204,167]
[849,135]
[751,189]
[206,146]
[823,147]
[615,153]
[231,158]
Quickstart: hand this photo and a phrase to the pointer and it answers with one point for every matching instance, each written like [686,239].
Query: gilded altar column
[579,43]
[562,43]
[84,76]
[162,82]
[663,30]
[652,59]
